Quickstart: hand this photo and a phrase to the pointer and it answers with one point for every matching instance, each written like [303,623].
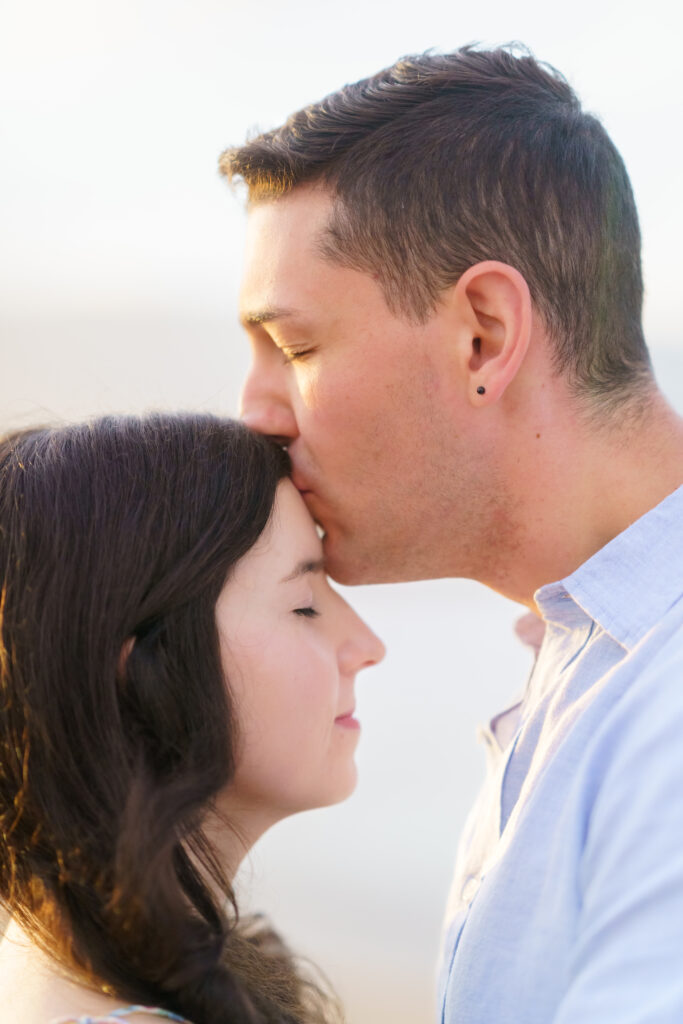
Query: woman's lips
[347,721]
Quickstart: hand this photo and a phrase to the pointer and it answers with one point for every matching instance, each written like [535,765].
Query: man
[443,296]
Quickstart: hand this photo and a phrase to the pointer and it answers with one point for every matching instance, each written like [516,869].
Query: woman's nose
[361,649]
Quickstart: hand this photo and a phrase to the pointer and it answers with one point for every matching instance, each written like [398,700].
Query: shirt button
[469,889]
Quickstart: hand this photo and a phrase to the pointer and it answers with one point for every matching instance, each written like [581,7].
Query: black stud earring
[481,390]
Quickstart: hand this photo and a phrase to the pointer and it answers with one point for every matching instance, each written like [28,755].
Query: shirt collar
[629,584]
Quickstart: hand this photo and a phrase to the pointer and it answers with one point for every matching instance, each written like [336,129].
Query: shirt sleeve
[627,965]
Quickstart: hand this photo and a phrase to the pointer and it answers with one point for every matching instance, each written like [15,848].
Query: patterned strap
[116,1016]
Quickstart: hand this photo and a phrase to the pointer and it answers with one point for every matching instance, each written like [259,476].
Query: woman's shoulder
[132,1014]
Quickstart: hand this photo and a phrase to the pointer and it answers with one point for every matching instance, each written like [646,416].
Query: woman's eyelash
[308,612]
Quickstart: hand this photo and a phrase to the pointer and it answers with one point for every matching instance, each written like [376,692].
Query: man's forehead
[301,215]
[282,253]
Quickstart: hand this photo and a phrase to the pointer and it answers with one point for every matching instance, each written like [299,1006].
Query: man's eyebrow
[303,568]
[254,318]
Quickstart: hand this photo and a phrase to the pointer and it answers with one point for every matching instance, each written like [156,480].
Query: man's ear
[494,308]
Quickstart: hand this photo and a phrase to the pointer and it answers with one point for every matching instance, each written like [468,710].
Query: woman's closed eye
[308,612]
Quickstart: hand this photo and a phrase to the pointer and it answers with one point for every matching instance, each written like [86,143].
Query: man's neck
[580,485]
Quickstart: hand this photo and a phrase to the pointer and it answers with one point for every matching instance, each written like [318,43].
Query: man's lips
[310,499]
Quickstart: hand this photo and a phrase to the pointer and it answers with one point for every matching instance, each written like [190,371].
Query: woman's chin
[345,787]
[336,791]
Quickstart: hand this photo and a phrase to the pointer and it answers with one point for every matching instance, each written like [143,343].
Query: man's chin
[354,565]
[338,565]
[349,562]
[344,564]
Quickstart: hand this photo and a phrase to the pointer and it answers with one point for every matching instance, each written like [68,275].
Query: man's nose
[265,406]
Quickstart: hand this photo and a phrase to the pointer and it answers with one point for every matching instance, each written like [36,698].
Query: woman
[176,675]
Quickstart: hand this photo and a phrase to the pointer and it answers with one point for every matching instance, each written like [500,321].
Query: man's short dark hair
[446,160]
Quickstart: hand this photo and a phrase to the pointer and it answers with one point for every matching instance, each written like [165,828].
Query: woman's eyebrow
[304,567]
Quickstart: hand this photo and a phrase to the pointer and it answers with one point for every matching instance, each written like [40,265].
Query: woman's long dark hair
[112,749]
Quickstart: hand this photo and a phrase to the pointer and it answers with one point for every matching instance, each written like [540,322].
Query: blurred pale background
[119,268]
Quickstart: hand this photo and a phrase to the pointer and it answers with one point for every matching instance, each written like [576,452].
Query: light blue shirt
[567,900]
